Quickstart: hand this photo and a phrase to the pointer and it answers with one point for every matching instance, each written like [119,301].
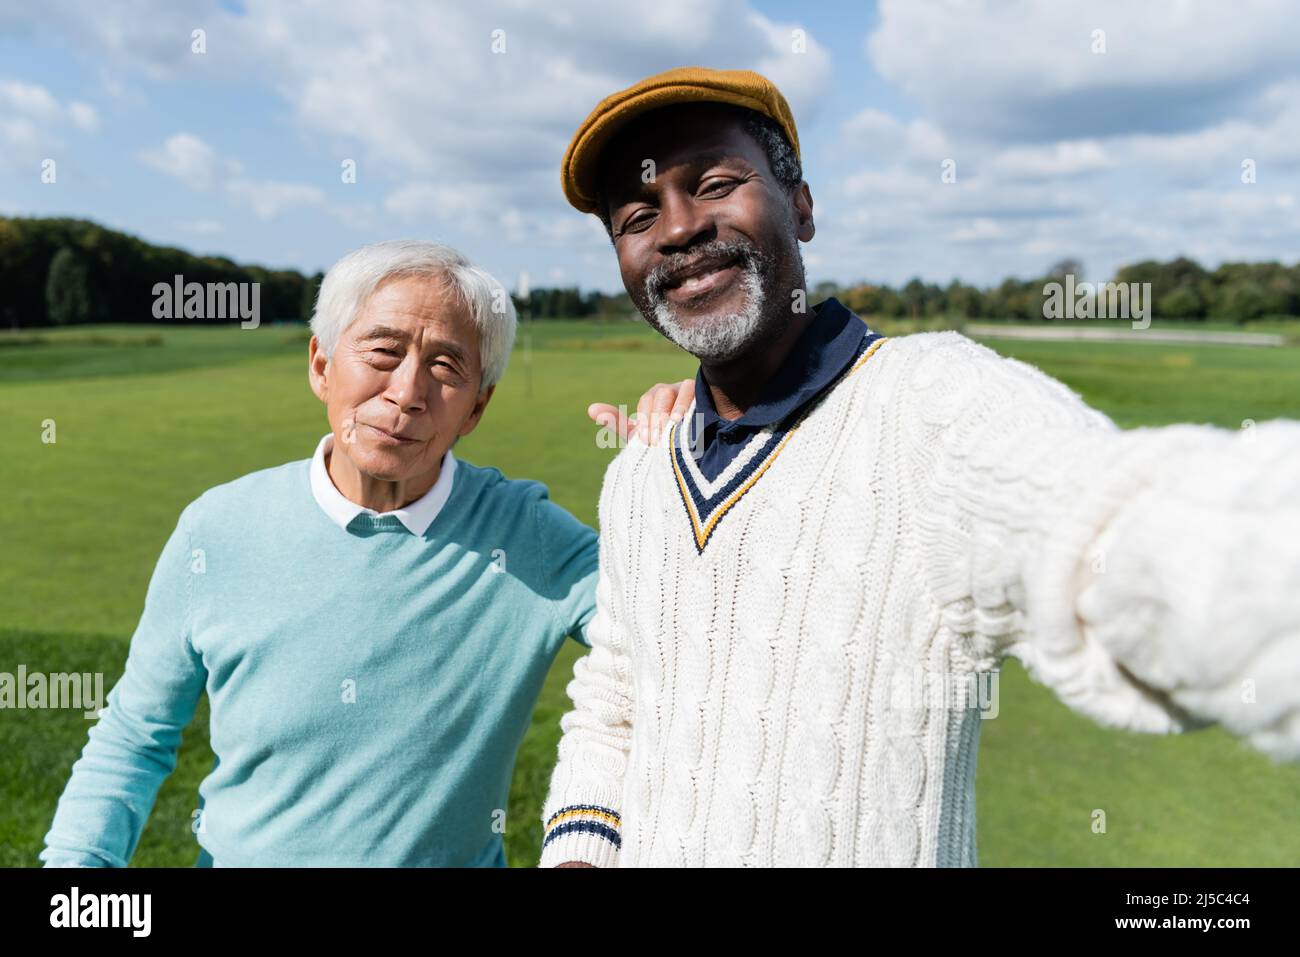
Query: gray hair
[352,280]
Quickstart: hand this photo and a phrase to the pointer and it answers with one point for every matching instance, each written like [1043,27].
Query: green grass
[1148,384]
[143,429]
[94,351]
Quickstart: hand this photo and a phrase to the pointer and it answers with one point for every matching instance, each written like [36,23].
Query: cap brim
[581,167]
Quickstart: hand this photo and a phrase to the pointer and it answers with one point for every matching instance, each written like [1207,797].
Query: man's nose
[682,222]
[407,385]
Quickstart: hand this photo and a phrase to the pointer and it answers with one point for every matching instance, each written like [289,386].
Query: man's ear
[480,403]
[803,212]
[317,363]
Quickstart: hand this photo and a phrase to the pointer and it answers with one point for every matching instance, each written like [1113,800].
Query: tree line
[1180,289]
[71,271]
[67,271]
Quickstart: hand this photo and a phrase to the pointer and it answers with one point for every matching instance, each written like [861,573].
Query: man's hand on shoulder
[661,405]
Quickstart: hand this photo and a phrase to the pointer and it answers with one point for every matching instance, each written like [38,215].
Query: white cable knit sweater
[940,508]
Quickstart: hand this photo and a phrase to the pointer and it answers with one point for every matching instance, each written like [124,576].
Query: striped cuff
[582,832]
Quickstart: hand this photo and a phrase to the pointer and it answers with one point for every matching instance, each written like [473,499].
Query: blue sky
[1061,148]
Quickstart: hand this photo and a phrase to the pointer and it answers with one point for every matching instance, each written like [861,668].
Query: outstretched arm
[1150,577]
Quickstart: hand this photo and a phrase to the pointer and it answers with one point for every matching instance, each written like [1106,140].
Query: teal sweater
[369,689]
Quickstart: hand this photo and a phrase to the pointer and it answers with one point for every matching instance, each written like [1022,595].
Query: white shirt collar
[417,517]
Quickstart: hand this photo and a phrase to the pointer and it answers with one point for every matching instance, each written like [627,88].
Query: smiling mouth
[701,281]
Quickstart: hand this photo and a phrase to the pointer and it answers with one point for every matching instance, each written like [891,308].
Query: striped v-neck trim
[707,503]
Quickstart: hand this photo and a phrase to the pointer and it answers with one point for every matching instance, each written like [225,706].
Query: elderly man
[848,520]
[372,625]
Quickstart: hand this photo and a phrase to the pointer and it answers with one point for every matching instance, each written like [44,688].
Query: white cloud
[1022,69]
[979,230]
[882,138]
[31,120]
[442,202]
[29,100]
[417,94]
[268,198]
[186,158]
[1112,157]
[452,139]
[486,211]
[83,115]
[1063,158]
[190,160]
[20,142]
[1270,137]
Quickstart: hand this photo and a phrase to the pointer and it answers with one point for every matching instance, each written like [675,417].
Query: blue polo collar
[827,346]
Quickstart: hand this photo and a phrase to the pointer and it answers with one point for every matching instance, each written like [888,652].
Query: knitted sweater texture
[768,697]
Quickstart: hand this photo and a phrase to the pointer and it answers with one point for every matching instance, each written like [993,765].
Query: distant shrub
[67,290]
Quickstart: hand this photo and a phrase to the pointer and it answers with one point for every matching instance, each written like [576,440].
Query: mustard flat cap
[687,84]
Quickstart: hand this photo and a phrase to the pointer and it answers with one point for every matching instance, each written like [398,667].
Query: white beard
[723,336]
